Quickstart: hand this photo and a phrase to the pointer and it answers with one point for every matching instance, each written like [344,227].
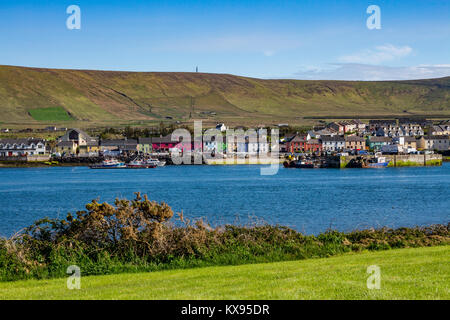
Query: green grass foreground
[419,273]
[140,236]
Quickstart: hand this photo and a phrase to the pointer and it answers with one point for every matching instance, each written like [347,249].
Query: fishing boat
[378,162]
[305,165]
[155,162]
[139,164]
[109,164]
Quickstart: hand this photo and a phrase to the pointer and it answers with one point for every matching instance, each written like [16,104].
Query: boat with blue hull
[378,162]
[109,164]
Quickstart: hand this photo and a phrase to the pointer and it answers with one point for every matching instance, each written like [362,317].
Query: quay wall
[410,160]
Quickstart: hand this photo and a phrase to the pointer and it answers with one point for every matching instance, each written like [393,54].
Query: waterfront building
[22,147]
[439,143]
[78,136]
[163,144]
[376,143]
[313,145]
[120,145]
[408,143]
[333,143]
[66,147]
[355,143]
[144,145]
[296,144]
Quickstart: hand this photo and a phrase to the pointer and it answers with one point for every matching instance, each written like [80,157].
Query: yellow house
[66,147]
[76,141]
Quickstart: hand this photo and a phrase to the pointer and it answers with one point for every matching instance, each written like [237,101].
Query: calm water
[308,200]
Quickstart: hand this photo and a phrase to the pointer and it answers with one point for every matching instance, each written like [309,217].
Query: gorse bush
[140,235]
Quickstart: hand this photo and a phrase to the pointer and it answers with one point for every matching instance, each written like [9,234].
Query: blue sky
[308,39]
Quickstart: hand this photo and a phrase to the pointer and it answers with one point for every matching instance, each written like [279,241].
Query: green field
[52,114]
[421,273]
[109,98]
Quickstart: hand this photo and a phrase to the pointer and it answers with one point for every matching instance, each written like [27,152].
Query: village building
[296,144]
[342,127]
[337,127]
[66,147]
[221,127]
[411,129]
[119,145]
[374,125]
[422,122]
[441,130]
[313,145]
[397,128]
[376,143]
[78,136]
[22,147]
[333,143]
[76,141]
[91,148]
[163,144]
[355,143]
[408,143]
[144,145]
[317,134]
[360,126]
[439,143]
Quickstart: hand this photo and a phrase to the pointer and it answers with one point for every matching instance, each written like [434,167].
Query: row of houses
[402,127]
[22,147]
[337,143]
[78,142]
[333,143]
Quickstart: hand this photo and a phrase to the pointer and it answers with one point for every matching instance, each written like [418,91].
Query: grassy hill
[421,273]
[100,98]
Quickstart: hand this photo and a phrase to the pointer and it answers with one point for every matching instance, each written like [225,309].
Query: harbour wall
[409,160]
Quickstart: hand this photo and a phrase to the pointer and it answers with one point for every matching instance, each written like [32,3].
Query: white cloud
[383,53]
[367,72]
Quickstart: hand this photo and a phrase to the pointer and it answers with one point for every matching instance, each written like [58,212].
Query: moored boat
[155,162]
[109,164]
[139,164]
[378,162]
[305,165]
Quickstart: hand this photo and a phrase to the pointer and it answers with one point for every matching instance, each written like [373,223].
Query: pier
[409,160]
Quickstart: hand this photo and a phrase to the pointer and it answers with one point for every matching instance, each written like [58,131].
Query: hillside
[419,273]
[34,97]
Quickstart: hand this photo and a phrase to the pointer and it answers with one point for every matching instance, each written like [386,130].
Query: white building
[440,143]
[21,147]
[333,143]
[222,127]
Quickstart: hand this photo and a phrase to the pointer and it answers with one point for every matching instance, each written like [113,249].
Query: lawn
[50,114]
[422,273]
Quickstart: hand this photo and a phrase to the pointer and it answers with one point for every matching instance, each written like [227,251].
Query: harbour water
[308,200]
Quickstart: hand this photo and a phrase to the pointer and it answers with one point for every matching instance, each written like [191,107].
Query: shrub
[139,235]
